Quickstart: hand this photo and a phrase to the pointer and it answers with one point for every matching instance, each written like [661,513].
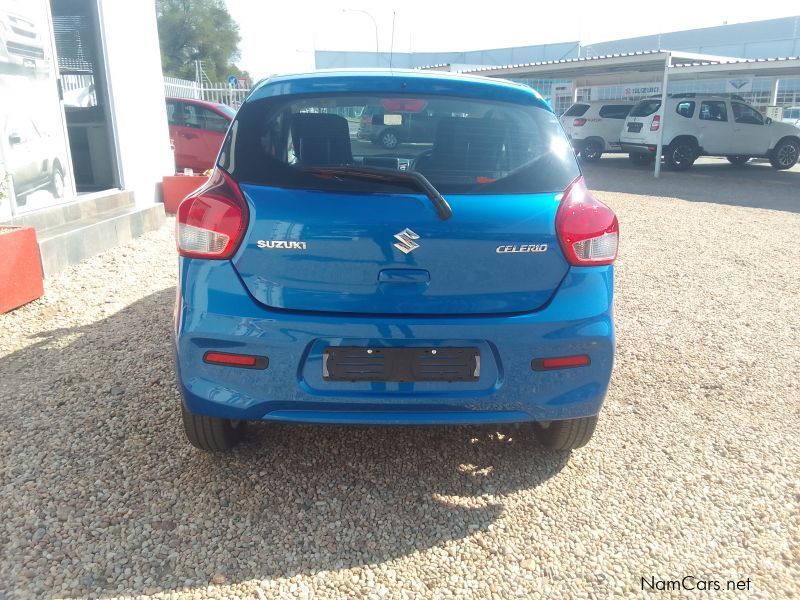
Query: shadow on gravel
[755,185]
[104,495]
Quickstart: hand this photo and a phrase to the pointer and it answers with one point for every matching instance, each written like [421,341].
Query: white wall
[136,86]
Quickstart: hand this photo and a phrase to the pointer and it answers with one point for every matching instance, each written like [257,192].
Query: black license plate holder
[352,363]
[634,127]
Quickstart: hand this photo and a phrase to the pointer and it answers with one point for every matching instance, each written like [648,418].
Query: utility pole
[374,24]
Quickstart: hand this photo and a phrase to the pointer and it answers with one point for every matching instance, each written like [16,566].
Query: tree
[191,30]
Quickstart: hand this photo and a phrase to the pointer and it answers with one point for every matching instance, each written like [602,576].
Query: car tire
[57,183]
[640,159]
[389,139]
[738,160]
[784,155]
[591,151]
[211,433]
[568,434]
[680,155]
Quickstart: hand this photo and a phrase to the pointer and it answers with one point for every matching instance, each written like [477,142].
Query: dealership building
[84,142]
[755,40]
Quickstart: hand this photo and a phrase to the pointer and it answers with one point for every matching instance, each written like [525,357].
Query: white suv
[594,127]
[707,125]
[791,115]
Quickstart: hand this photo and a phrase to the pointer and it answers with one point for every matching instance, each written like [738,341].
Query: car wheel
[738,160]
[592,151]
[785,155]
[210,433]
[568,434]
[680,155]
[640,159]
[389,140]
[57,184]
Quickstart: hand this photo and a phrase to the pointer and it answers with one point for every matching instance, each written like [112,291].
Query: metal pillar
[660,145]
[773,99]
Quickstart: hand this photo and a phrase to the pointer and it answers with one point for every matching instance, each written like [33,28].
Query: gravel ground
[693,469]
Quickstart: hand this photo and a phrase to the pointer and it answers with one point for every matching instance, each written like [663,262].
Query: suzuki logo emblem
[406,241]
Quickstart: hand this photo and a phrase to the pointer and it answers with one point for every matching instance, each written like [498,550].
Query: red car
[197,129]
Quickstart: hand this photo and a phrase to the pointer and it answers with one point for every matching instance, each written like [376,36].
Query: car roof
[397,82]
[216,105]
[605,102]
[699,97]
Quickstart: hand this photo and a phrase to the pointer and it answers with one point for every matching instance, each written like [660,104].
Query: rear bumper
[215,312]
[637,148]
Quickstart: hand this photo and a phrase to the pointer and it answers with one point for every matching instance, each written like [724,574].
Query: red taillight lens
[655,123]
[560,362]
[247,361]
[587,229]
[579,122]
[212,220]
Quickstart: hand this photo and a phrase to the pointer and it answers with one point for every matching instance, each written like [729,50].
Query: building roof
[642,66]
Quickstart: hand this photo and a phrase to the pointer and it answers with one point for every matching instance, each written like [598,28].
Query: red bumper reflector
[559,362]
[247,361]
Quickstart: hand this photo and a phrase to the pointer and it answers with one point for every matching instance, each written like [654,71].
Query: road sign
[233,81]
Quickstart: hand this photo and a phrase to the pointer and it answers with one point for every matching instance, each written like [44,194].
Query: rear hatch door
[637,125]
[386,253]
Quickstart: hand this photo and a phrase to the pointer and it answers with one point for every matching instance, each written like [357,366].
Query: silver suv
[701,125]
[594,127]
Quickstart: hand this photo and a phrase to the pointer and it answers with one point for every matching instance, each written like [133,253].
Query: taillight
[212,220]
[578,122]
[560,362]
[587,229]
[655,123]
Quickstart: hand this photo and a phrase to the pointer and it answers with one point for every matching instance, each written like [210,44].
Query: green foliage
[192,30]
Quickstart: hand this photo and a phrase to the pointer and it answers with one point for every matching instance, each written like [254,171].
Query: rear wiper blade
[412,179]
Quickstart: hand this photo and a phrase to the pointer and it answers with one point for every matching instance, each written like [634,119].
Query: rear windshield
[576,110]
[461,145]
[645,108]
[615,111]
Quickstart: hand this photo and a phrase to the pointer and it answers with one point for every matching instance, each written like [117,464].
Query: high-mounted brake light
[579,122]
[212,220]
[655,123]
[587,229]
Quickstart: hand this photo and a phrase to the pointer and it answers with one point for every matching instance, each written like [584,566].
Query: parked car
[197,129]
[707,126]
[396,121]
[32,158]
[791,115]
[464,281]
[594,127]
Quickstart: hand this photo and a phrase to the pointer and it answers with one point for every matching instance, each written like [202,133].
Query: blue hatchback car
[324,278]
